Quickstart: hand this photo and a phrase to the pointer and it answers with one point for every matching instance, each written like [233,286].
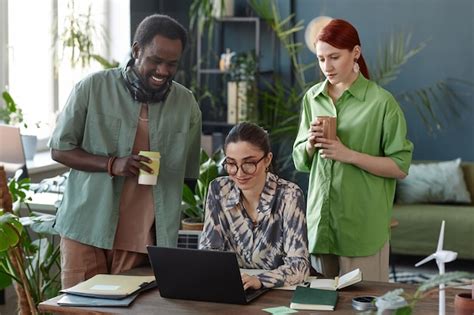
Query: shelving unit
[217,123]
[200,71]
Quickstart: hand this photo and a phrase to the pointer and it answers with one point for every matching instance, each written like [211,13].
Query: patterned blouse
[277,242]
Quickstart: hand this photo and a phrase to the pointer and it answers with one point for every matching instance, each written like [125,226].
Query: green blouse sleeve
[395,143]
[300,157]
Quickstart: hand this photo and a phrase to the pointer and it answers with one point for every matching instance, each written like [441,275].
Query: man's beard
[140,90]
[150,89]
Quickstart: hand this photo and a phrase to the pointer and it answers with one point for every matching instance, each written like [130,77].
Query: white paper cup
[145,178]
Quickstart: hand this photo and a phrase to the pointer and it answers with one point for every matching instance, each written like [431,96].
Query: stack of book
[107,290]
[321,294]
[239,104]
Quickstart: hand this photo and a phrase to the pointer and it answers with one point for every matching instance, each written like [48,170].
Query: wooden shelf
[239,19]
[213,71]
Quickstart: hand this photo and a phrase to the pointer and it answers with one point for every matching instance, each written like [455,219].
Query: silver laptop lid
[12,155]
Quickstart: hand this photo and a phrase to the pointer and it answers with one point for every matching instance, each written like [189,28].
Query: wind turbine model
[441,256]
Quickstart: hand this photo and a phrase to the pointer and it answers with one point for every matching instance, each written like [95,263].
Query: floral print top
[277,242]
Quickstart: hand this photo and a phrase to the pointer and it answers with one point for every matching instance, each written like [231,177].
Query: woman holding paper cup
[256,214]
[353,175]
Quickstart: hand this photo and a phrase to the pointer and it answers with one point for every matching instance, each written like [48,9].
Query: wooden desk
[151,303]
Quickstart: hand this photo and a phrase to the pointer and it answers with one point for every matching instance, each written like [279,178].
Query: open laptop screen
[11,149]
[202,275]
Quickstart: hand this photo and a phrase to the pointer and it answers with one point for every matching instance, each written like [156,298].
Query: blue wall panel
[448,27]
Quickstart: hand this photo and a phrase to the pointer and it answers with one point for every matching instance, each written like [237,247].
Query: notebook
[313,299]
[201,275]
[78,300]
[111,286]
[343,281]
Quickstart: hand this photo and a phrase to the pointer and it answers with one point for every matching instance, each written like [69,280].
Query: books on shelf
[243,102]
[232,101]
[111,286]
[313,299]
[343,281]
[239,105]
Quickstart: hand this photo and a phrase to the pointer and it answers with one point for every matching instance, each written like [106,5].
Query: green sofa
[419,224]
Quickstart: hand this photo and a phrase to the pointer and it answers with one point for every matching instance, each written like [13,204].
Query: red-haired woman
[352,179]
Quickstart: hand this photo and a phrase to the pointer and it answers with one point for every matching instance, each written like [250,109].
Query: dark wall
[446,25]
[139,9]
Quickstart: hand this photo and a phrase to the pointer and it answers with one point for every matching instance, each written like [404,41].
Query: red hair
[342,35]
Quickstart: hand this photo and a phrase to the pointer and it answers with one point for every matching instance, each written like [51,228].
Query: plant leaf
[188,196]
[10,231]
[448,277]
[393,56]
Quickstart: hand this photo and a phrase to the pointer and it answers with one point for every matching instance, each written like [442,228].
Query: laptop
[12,156]
[201,275]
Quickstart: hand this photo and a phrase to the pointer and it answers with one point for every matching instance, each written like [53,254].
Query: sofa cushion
[441,182]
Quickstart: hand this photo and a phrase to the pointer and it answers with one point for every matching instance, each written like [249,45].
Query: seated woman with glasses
[256,214]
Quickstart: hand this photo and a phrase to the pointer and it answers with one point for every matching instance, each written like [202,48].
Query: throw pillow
[441,182]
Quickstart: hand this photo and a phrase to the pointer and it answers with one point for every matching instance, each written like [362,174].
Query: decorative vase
[463,304]
[192,224]
[29,146]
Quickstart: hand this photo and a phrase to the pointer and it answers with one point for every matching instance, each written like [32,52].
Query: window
[40,77]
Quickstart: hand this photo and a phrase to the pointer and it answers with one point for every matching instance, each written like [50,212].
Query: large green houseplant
[30,263]
[194,201]
[78,39]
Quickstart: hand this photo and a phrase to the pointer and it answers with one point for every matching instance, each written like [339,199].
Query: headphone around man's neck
[138,90]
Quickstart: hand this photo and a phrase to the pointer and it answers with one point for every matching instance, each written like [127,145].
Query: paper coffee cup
[145,178]
[329,126]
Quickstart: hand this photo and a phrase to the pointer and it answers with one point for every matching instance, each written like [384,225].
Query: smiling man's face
[158,61]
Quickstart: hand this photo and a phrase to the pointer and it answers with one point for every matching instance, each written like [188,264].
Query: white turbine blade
[421,262]
[441,238]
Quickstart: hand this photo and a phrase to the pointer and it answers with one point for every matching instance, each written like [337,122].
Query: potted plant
[12,114]
[464,302]
[194,202]
[31,265]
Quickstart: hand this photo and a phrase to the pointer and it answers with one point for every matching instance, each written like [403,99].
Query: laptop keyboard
[251,294]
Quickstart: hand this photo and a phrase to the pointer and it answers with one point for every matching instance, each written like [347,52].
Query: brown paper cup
[329,126]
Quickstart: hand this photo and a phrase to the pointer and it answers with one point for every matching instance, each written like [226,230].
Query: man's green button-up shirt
[348,208]
[101,118]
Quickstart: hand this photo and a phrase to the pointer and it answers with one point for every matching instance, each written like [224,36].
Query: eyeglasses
[248,168]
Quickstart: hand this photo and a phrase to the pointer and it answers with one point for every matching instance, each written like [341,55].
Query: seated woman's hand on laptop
[250,282]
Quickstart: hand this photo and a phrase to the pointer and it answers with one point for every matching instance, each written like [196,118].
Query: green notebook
[313,299]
